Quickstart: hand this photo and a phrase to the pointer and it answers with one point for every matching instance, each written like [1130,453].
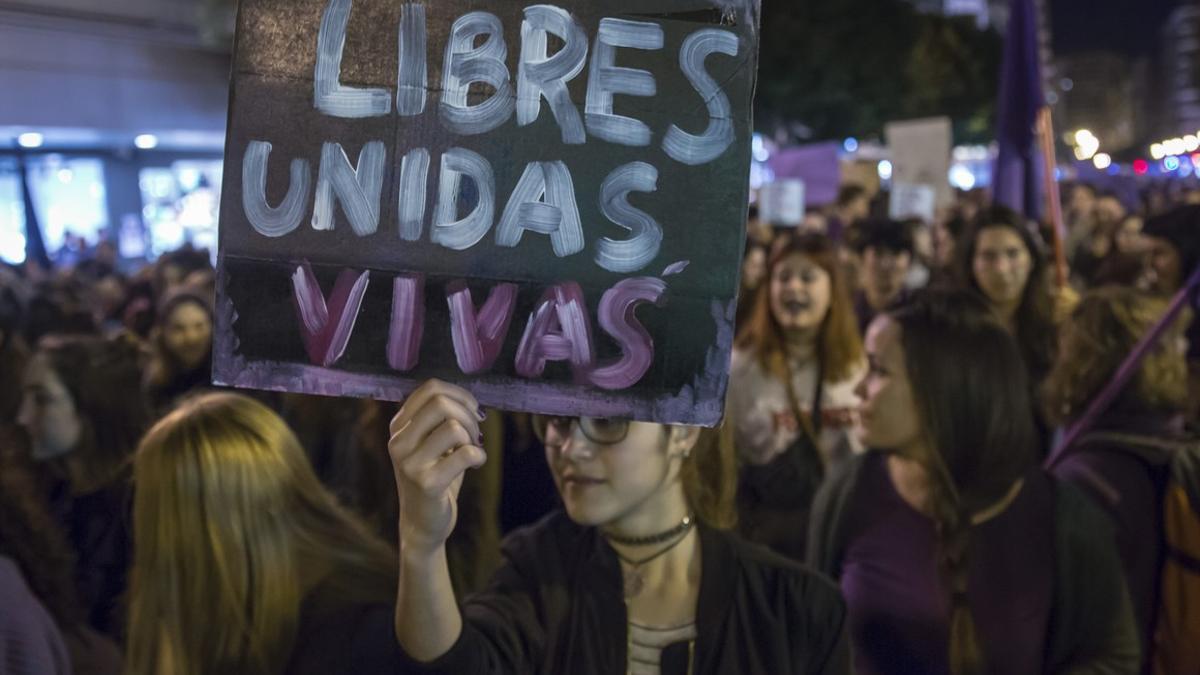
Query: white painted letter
[268,221]
[713,143]
[414,69]
[542,75]
[605,79]
[414,176]
[543,202]
[465,64]
[632,254]
[330,96]
[358,190]
[448,230]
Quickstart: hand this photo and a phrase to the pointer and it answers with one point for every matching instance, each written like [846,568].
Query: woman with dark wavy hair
[955,552]
[42,628]
[84,413]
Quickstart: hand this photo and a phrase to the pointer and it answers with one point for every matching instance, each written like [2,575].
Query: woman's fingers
[430,390]
[448,469]
[437,410]
[446,453]
[443,440]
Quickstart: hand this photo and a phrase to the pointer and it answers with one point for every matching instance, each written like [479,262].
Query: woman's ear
[682,440]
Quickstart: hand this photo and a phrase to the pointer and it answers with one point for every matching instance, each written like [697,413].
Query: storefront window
[70,203]
[12,214]
[180,205]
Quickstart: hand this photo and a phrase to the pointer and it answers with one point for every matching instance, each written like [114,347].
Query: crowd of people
[889,492]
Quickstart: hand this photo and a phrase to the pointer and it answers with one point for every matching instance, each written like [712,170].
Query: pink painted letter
[479,337]
[617,318]
[325,326]
[558,330]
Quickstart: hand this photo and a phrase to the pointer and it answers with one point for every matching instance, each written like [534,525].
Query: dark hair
[59,308]
[884,234]
[29,535]
[839,345]
[1035,331]
[977,418]
[849,192]
[103,378]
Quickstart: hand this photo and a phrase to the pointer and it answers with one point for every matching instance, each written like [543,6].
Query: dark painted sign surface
[543,203]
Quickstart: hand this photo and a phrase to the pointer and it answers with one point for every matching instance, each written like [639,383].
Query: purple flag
[1017,183]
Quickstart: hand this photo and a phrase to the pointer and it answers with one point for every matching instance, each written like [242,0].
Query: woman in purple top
[955,553]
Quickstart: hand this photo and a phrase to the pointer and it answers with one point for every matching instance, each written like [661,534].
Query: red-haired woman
[791,391]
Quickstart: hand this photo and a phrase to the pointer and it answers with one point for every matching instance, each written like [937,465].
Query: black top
[355,639]
[100,529]
[556,607]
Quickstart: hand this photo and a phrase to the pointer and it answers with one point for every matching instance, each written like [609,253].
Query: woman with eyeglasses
[635,575]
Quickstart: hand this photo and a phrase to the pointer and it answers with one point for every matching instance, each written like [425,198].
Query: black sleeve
[503,626]
[824,649]
[357,640]
[774,499]
[827,520]
[1092,626]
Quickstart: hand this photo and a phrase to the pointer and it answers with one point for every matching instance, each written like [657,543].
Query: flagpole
[1126,372]
[1045,126]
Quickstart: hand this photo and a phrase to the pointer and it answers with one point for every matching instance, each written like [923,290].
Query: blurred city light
[885,170]
[146,142]
[1102,161]
[31,140]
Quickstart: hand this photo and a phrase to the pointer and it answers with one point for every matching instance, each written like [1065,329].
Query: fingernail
[479,439]
[481,414]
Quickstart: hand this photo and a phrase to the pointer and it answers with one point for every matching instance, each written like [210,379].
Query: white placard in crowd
[912,201]
[782,203]
[921,152]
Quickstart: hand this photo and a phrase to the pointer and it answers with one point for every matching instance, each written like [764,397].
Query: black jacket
[556,607]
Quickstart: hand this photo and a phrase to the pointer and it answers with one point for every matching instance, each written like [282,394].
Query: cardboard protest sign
[913,201]
[543,203]
[921,155]
[782,203]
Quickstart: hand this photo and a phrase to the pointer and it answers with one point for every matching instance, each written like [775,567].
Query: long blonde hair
[233,532]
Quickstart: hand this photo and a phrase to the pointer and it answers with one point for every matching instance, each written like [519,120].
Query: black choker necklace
[659,538]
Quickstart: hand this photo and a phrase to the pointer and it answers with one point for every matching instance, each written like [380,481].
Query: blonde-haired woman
[243,562]
[1125,459]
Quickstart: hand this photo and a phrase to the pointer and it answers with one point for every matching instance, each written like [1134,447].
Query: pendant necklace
[635,581]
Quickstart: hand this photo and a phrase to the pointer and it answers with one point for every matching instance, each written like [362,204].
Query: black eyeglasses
[599,430]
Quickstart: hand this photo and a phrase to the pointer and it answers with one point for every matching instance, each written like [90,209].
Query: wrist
[417,555]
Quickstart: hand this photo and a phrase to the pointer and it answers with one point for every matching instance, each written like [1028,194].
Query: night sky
[1128,26]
